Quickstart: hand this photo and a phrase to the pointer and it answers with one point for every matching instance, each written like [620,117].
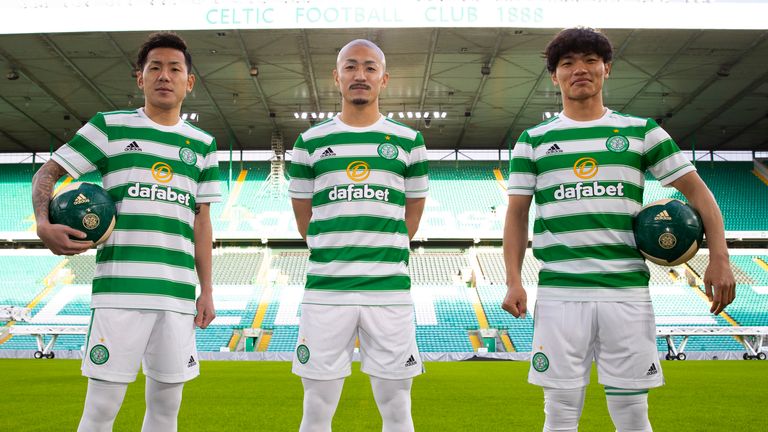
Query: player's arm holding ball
[56,237]
[719,283]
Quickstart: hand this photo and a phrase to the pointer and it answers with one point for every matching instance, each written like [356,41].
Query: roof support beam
[483,80]
[663,68]
[14,140]
[255,80]
[310,70]
[216,108]
[725,106]
[714,77]
[78,71]
[740,132]
[427,71]
[28,75]
[50,132]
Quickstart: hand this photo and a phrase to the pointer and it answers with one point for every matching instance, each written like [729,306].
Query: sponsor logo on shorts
[617,143]
[540,362]
[302,353]
[667,240]
[388,151]
[188,156]
[99,354]
[191,362]
[652,370]
[411,361]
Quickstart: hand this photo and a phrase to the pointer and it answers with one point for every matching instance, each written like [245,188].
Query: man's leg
[393,397]
[102,403]
[628,409]
[628,362]
[163,403]
[170,360]
[111,361]
[323,359]
[320,401]
[563,349]
[562,409]
[390,356]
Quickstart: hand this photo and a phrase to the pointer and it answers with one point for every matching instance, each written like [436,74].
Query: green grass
[40,395]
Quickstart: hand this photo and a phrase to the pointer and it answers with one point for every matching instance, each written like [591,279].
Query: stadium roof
[709,87]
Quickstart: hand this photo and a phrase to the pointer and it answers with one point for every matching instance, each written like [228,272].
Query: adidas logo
[411,361]
[554,149]
[663,216]
[133,146]
[328,152]
[81,199]
[192,361]
[652,370]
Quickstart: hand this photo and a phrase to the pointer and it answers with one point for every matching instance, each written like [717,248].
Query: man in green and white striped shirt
[162,174]
[585,167]
[358,186]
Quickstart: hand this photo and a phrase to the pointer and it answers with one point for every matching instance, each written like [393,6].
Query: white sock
[628,409]
[393,397]
[163,402]
[562,408]
[102,403]
[320,401]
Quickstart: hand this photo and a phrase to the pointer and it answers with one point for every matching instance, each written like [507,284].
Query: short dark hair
[577,40]
[163,40]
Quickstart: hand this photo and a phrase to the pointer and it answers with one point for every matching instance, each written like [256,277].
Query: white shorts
[619,336]
[162,342]
[327,340]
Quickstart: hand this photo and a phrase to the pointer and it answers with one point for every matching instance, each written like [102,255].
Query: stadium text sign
[54,16]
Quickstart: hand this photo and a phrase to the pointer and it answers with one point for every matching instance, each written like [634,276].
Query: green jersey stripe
[588,133]
[376,254]
[632,279]
[147,254]
[154,223]
[604,251]
[582,222]
[143,286]
[359,283]
[356,223]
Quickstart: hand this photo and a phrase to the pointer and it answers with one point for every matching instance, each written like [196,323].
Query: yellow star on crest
[615,131]
[187,141]
[386,137]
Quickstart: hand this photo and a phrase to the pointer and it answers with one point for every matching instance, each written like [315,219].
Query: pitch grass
[48,395]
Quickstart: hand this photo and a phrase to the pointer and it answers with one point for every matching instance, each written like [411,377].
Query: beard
[360,101]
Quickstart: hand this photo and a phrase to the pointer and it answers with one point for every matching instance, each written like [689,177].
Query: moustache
[359,86]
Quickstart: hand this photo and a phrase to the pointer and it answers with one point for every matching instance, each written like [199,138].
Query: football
[85,207]
[668,232]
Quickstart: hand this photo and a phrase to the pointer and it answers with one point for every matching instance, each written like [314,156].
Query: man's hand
[205,310]
[719,284]
[515,302]
[56,238]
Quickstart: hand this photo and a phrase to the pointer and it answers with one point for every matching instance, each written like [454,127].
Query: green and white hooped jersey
[587,180]
[156,175]
[358,180]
